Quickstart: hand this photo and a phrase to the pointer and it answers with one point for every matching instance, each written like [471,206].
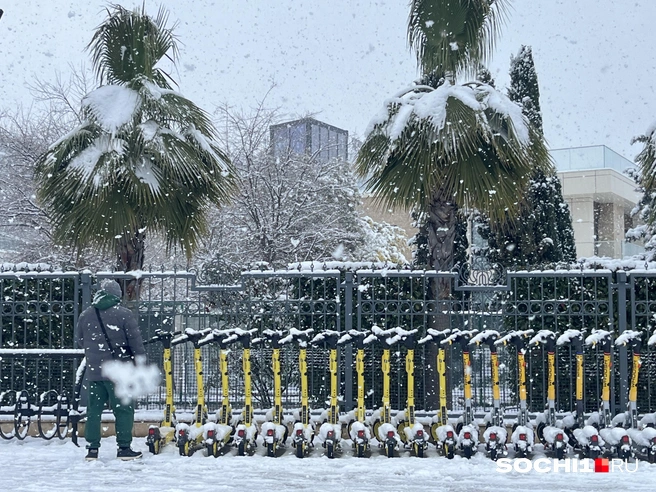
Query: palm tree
[144,160]
[439,146]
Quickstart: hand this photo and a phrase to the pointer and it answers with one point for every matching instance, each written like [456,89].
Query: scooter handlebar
[327,337]
[301,337]
[434,336]
[354,336]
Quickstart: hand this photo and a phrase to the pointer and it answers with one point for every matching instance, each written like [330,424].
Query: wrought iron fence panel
[40,310]
[642,317]
[37,325]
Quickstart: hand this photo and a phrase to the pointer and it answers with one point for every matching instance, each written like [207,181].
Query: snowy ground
[35,465]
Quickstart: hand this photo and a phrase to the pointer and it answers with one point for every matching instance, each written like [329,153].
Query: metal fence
[40,310]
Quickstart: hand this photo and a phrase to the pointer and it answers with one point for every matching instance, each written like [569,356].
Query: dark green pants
[101,392]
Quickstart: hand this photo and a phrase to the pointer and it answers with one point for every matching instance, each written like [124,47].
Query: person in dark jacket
[122,332]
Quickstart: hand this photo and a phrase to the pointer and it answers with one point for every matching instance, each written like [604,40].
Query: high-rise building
[310,136]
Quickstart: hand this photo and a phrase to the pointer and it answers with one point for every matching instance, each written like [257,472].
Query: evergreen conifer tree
[542,232]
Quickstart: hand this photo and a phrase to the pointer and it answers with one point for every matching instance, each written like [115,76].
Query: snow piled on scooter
[442,430]
[384,429]
[613,435]
[647,420]
[326,428]
[582,436]
[473,439]
[642,437]
[568,336]
[523,429]
[411,431]
[249,432]
[278,430]
[220,431]
[359,426]
[568,421]
[192,431]
[308,431]
[501,432]
[550,433]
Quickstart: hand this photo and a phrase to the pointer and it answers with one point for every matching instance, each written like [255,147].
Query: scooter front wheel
[560,453]
[154,447]
[184,449]
[213,449]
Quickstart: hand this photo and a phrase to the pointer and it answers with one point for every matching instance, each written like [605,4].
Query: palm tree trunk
[441,228]
[129,257]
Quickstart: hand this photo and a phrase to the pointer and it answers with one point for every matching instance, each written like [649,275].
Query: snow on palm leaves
[468,141]
[144,156]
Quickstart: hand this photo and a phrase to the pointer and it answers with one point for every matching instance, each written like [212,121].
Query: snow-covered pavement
[37,466]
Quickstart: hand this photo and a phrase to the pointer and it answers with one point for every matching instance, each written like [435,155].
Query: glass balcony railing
[594,157]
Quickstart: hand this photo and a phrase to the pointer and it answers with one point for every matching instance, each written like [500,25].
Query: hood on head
[111,287]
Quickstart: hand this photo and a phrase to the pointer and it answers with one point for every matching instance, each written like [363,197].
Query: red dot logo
[601,465]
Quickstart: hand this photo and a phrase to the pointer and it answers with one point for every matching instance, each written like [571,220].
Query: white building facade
[600,197]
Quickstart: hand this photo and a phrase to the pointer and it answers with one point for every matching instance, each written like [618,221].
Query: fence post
[85,285]
[621,321]
[348,349]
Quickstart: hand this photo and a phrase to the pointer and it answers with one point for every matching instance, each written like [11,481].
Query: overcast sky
[341,59]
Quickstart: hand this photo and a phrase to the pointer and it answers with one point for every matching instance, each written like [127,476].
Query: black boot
[92,454]
[126,454]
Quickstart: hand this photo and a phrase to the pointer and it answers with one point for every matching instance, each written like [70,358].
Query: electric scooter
[617,440]
[191,438]
[642,443]
[522,435]
[274,431]
[495,434]
[303,432]
[411,431]
[358,429]
[554,438]
[442,432]
[467,430]
[246,431]
[330,431]
[219,435]
[384,431]
[159,436]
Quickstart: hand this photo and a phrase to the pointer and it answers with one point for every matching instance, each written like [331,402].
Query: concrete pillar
[582,210]
[610,229]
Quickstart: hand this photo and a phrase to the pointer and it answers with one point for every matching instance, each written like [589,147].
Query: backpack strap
[102,327]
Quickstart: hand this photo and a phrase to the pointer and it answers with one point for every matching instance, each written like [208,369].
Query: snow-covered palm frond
[466,142]
[452,35]
[129,44]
